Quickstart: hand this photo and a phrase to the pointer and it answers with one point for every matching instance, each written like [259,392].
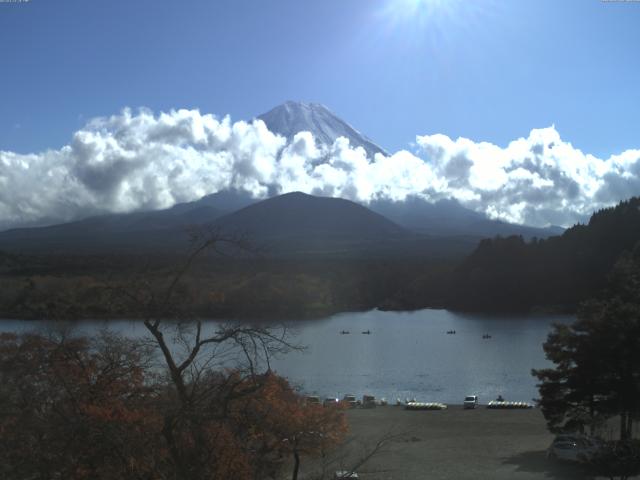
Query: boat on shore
[425,406]
[496,404]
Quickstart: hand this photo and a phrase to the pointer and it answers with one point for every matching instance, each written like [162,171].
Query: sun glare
[407,15]
[420,22]
[416,4]
[421,8]
[431,23]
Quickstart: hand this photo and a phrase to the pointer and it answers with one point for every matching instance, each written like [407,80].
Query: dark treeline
[510,274]
[502,274]
[220,287]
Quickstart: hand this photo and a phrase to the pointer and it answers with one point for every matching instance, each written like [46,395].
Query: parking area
[455,443]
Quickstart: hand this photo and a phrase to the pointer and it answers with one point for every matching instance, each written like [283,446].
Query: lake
[406,355]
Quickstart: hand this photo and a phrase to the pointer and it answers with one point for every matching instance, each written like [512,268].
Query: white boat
[496,404]
[425,406]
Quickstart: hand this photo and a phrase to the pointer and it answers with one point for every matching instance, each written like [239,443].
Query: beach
[452,444]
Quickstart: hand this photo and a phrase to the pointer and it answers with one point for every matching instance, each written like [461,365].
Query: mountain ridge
[449,217]
[446,218]
[300,213]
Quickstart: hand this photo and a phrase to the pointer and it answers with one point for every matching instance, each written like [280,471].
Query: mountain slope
[160,229]
[293,224]
[448,217]
[294,221]
[300,215]
[139,231]
[301,225]
[294,117]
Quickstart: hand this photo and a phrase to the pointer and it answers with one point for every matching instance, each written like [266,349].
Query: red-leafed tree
[74,408]
[197,401]
[285,426]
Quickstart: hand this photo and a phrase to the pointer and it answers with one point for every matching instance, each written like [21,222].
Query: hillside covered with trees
[505,274]
[510,274]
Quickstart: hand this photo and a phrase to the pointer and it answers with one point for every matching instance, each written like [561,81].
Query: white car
[350,400]
[572,448]
[470,401]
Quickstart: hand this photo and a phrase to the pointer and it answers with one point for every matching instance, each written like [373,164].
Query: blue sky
[526,111]
[482,69]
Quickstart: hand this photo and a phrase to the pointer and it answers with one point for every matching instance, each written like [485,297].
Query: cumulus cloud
[142,161]
[130,162]
[537,180]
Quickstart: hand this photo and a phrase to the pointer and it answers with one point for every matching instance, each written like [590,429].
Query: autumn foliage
[78,408]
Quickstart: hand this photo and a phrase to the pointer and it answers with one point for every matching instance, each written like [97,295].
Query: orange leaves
[67,410]
[280,417]
[91,409]
[233,460]
[114,412]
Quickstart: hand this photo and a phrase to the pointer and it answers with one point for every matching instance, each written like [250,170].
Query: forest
[502,274]
[556,274]
[219,287]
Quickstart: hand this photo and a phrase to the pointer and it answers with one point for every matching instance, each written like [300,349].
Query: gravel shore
[453,444]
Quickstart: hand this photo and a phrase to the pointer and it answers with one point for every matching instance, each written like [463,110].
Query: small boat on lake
[345,332]
[367,332]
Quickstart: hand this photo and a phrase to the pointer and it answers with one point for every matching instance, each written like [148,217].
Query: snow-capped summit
[293,117]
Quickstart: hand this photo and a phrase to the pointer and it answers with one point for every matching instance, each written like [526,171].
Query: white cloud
[144,161]
[536,180]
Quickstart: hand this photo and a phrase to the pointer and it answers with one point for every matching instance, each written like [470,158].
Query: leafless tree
[196,353]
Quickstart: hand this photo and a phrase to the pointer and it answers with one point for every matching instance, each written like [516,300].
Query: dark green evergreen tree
[616,460]
[557,273]
[597,358]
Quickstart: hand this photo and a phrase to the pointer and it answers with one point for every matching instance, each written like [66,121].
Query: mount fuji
[161,229]
[294,117]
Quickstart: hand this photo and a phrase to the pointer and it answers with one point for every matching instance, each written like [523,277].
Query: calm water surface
[407,354]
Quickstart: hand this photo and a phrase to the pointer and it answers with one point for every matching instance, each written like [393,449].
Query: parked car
[470,401]
[573,448]
[313,400]
[350,400]
[331,402]
[368,401]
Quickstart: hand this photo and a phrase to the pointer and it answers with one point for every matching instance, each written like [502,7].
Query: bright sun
[420,10]
[414,6]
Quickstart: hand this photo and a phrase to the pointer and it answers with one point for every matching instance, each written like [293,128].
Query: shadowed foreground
[457,444]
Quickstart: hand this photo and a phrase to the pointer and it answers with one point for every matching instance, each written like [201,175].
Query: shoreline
[294,316]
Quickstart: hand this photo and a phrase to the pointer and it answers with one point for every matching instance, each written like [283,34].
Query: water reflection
[406,354]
